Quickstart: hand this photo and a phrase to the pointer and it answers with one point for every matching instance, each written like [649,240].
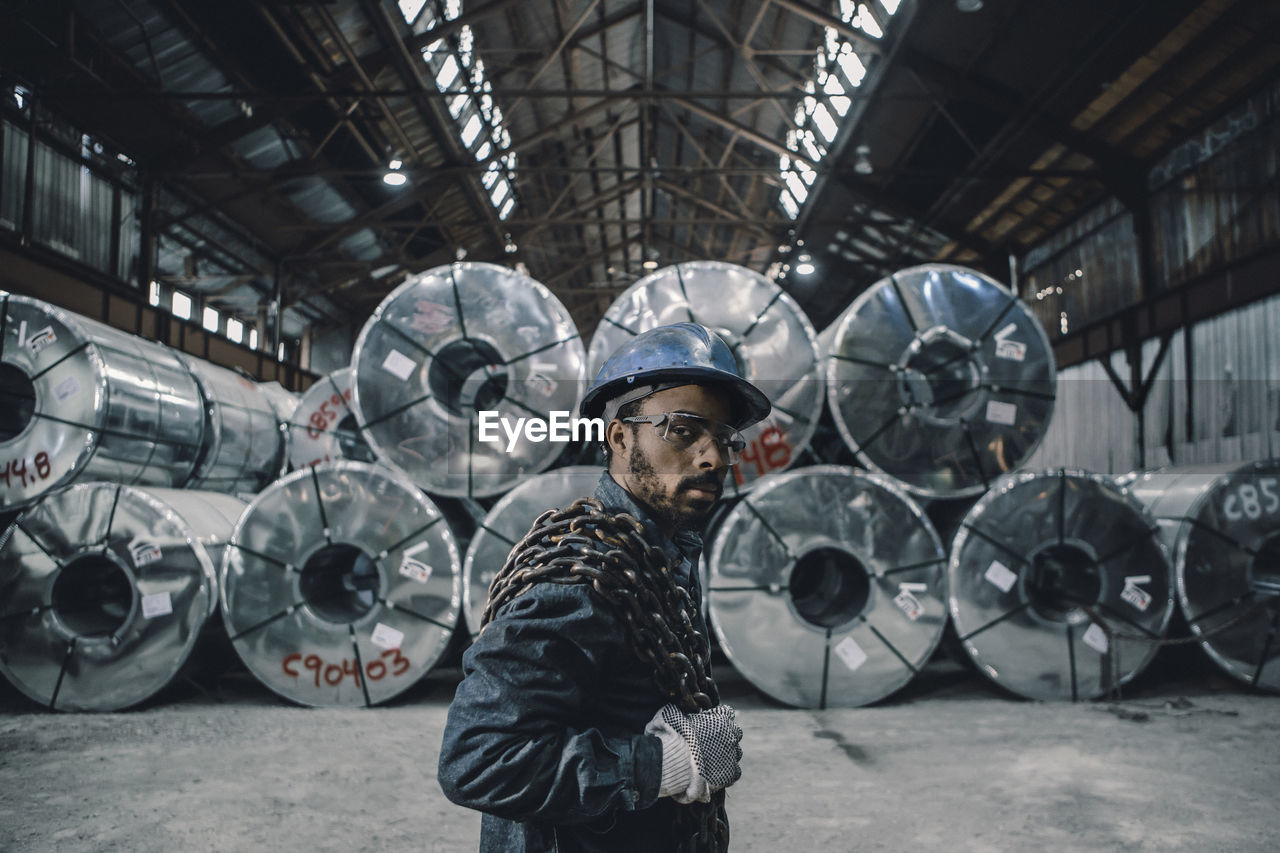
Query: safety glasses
[692,432]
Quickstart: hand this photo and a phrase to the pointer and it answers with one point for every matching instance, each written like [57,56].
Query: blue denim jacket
[545,735]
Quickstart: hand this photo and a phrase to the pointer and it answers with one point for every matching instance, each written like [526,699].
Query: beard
[664,507]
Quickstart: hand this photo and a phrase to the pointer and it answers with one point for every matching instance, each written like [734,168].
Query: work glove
[700,752]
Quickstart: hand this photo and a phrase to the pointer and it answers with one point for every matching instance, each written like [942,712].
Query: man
[580,724]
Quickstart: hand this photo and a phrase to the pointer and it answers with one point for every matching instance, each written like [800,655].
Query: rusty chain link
[583,544]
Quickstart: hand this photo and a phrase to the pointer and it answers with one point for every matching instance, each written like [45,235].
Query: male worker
[587,719]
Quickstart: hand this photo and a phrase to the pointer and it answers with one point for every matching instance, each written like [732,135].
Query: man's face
[680,487]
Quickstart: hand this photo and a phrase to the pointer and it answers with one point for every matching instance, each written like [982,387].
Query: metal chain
[583,544]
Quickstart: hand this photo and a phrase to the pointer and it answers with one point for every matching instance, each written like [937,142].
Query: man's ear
[615,434]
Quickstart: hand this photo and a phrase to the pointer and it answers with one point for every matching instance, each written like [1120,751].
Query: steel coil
[105,590]
[1221,524]
[827,587]
[244,440]
[341,586]
[323,427]
[508,521]
[1060,586]
[941,378]
[448,344]
[82,401]
[771,338]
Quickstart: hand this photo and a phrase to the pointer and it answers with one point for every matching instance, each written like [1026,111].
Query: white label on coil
[415,570]
[1012,350]
[1001,413]
[156,604]
[909,604]
[1135,595]
[144,553]
[1096,638]
[399,365]
[850,652]
[38,340]
[386,637]
[999,576]
[66,388]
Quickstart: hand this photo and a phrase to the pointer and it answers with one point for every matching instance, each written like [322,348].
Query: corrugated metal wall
[72,208]
[1217,400]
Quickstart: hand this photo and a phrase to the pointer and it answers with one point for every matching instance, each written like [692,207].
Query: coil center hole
[468,376]
[340,583]
[1264,568]
[17,401]
[829,587]
[1064,577]
[941,377]
[350,442]
[92,596]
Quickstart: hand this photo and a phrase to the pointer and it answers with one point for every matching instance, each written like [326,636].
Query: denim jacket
[545,735]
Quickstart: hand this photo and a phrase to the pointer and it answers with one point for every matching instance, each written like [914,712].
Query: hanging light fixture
[394,177]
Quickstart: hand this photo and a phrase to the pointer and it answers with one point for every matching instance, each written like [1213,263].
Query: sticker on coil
[850,653]
[144,553]
[1000,576]
[38,340]
[1001,413]
[399,365]
[1007,349]
[1096,638]
[66,388]
[156,604]
[1135,595]
[386,637]
[908,603]
[415,570]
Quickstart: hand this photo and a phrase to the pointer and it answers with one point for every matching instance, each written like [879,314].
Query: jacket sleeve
[516,743]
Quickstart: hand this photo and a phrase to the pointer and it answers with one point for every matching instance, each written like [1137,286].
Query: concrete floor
[1187,760]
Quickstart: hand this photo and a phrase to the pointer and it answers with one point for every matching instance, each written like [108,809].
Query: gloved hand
[700,752]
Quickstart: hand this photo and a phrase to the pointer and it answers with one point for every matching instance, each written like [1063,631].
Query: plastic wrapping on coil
[323,427]
[1221,524]
[941,378]
[106,589]
[454,342]
[507,523]
[341,586]
[827,587]
[770,336]
[1060,585]
[82,401]
[244,439]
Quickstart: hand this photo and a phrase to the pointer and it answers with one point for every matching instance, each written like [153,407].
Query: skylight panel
[838,70]
[410,9]
[471,129]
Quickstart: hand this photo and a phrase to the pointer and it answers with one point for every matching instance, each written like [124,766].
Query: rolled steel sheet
[105,590]
[508,521]
[1060,585]
[282,400]
[827,587]
[82,401]
[941,378]
[1221,524]
[244,440]
[771,338]
[454,341]
[323,427]
[341,586]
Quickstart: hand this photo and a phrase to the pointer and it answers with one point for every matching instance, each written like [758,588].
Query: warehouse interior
[1000,570]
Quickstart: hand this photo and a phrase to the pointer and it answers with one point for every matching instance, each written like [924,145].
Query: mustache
[707,481]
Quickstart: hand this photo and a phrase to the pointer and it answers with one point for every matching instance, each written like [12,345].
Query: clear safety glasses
[692,432]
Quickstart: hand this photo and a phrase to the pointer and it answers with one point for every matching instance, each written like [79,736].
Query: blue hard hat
[684,353]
